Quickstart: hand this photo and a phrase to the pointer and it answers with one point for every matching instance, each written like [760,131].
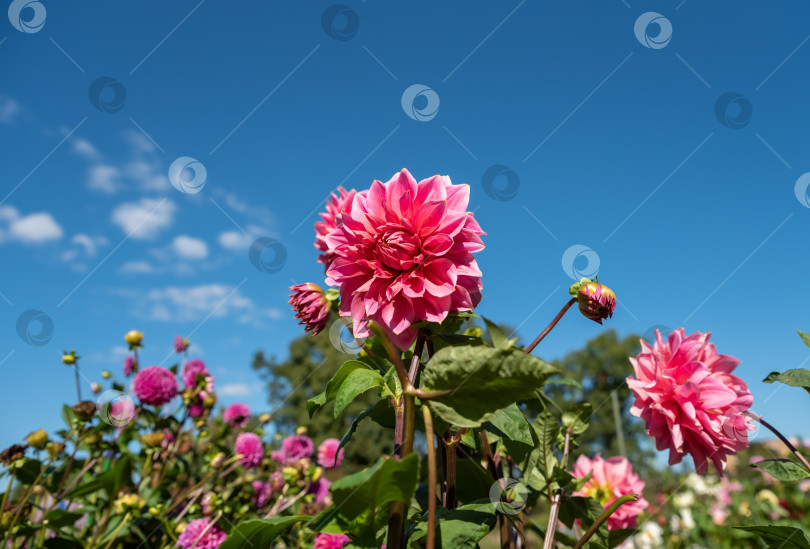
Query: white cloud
[147,175]
[137,267]
[144,219]
[9,109]
[82,247]
[187,247]
[235,389]
[195,303]
[86,149]
[89,243]
[104,178]
[34,228]
[235,240]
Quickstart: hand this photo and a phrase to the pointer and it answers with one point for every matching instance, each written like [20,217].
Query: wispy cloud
[9,109]
[145,218]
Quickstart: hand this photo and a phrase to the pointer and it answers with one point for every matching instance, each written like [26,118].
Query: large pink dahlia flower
[691,402]
[155,385]
[612,478]
[403,254]
[201,534]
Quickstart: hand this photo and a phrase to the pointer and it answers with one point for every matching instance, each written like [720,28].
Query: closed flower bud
[133,338]
[217,460]
[317,473]
[209,503]
[596,301]
[95,387]
[311,306]
[209,400]
[301,431]
[264,418]
[127,502]
[154,511]
[55,448]
[69,359]
[39,490]
[152,439]
[180,528]
[290,474]
[37,439]
[106,374]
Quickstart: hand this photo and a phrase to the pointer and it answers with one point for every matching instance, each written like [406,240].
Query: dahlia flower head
[180,344]
[328,455]
[129,365]
[403,254]
[237,414]
[249,446]
[334,206]
[690,400]
[321,490]
[310,305]
[193,535]
[596,301]
[191,370]
[296,447]
[263,491]
[155,385]
[330,541]
[611,479]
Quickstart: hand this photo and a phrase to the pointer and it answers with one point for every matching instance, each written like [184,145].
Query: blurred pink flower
[250,447]
[321,489]
[297,447]
[181,344]
[728,487]
[335,204]
[612,478]
[331,541]
[122,411]
[196,409]
[310,305]
[193,370]
[263,492]
[276,481]
[237,414]
[129,362]
[193,535]
[689,399]
[155,385]
[277,456]
[404,255]
[327,452]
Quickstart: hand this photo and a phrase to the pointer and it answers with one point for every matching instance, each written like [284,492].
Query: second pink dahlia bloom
[689,399]
[250,447]
[404,255]
[331,541]
[612,478]
[155,385]
[335,204]
[328,455]
[237,414]
[201,534]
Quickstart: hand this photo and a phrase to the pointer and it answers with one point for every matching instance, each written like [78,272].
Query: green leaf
[512,424]
[259,532]
[356,421]
[482,380]
[782,469]
[616,537]
[565,381]
[366,497]
[460,528]
[798,377]
[110,481]
[586,510]
[355,383]
[69,416]
[316,403]
[805,337]
[546,428]
[59,517]
[27,470]
[498,337]
[575,419]
[779,537]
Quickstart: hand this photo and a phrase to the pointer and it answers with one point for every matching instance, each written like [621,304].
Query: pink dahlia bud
[689,399]
[194,372]
[310,305]
[201,534]
[328,452]
[155,385]
[331,541]
[342,202]
[249,446]
[611,479]
[404,255]
[130,365]
[237,414]
[296,447]
[181,344]
[276,481]
[596,301]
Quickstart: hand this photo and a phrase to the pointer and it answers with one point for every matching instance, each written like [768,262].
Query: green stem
[550,327]
[78,383]
[118,529]
[431,450]
[781,437]
[603,517]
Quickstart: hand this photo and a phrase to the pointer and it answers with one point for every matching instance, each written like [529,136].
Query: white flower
[649,536]
[684,500]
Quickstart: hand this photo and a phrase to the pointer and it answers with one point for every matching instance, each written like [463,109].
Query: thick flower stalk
[311,306]
[611,479]
[689,399]
[404,255]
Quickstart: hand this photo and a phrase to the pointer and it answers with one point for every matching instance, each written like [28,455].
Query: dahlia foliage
[478,448]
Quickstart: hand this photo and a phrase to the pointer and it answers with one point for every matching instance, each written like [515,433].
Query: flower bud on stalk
[596,301]
[37,439]
[311,306]
[133,339]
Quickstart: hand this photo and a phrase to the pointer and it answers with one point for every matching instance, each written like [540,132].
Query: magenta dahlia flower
[263,491]
[310,305]
[327,452]
[237,414]
[181,344]
[331,541]
[194,370]
[612,478]
[296,447]
[596,301]
[689,399]
[321,490]
[201,534]
[155,385]
[250,447]
[129,365]
[335,204]
[404,255]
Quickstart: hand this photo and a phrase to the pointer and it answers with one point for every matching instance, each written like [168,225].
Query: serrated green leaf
[460,528]
[355,384]
[316,403]
[779,537]
[805,337]
[259,532]
[576,418]
[798,377]
[512,424]
[496,334]
[782,469]
[481,381]
[546,428]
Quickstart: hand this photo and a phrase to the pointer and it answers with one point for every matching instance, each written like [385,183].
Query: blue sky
[619,137]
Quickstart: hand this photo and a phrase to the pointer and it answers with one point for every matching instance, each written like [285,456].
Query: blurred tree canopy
[303,374]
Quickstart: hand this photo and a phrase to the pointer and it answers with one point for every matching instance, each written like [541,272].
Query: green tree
[311,363]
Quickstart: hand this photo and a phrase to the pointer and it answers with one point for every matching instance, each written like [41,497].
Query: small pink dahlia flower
[404,255]
[250,447]
[181,344]
[296,447]
[194,370]
[129,365]
[331,541]
[263,491]
[321,490]
[310,305]
[612,478]
[200,534]
[689,399]
[335,204]
[237,414]
[327,452]
[596,301]
[155,385]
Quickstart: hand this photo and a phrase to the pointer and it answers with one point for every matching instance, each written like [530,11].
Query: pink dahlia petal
[689,399]
[334,206]
[311,306]
[201,534]
[404,255]
[237,414]
[251,449]
[181,344]
[611,479]
[194,372]
[155,385]
[297,447]
[330,541]
[328,455]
